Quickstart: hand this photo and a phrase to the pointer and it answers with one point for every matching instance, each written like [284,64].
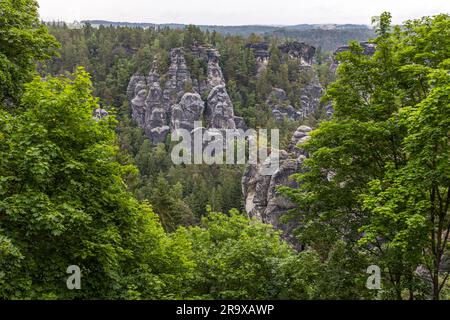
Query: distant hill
[244,29]
[235,30]
[327,36]
[326,39]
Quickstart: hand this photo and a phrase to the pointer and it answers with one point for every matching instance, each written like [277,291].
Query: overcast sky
[239,12]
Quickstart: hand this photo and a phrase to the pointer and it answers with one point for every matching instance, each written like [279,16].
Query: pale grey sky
[239,12]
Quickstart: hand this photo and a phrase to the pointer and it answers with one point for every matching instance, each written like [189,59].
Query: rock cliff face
[281,107]
[262,55]
[260,192]
[299,50]
[310,95]
[215,75]
[219,111]
[294,49]
[159,104]
[160,107]
[187,111]
[309,102]
[262,199]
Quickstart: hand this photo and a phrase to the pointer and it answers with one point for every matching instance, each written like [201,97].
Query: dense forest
[112,54]
[328,37]
[76,189]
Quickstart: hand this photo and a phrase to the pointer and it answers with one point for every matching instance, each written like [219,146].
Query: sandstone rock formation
[185,113]
[299,50]
[310,94]
[309,102]
[215,75]
[281,107]
[262,200]
[219,111]
[310,97]
[262,55]
[159,107]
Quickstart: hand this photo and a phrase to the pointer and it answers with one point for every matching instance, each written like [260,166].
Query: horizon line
[208,25]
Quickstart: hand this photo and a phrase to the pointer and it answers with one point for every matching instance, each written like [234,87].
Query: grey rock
[219,110]
[156,115]
[277,115]
[159,134]
[156,127]
[310,98]
[154,98]
[158,108]
[311,93]
[280,106]
[278,95]
[185,113]
[177,76]
[299,50]
[260,50]
[240,123]
[100,113]
[262,55]
[215,76]
[300,136]
[132,88]
[296,50]
[138,107]
[262,200]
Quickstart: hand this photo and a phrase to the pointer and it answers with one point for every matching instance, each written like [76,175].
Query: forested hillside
[112,55]
[327,37]
[364,176]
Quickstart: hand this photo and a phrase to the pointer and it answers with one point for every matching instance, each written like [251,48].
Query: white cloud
[239,12]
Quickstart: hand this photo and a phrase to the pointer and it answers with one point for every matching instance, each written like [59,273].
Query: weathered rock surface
[100,113]
[310,95]
[177,76]
[280,105]
[299,50]
[262,200]
[215,75]
[185,113]
[219,110]
[261,53]
[260,50]
[309,102]
[310,98]
[240,123]
[295,49]
[160,107]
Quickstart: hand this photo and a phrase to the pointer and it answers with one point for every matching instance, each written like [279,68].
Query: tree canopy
[378,173]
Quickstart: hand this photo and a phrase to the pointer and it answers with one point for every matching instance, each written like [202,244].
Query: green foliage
[378,173]
[180,194]
[24,41]
[63,202]
[376,189]
[193,36]
[327,39]
[340,275]
[236,258]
